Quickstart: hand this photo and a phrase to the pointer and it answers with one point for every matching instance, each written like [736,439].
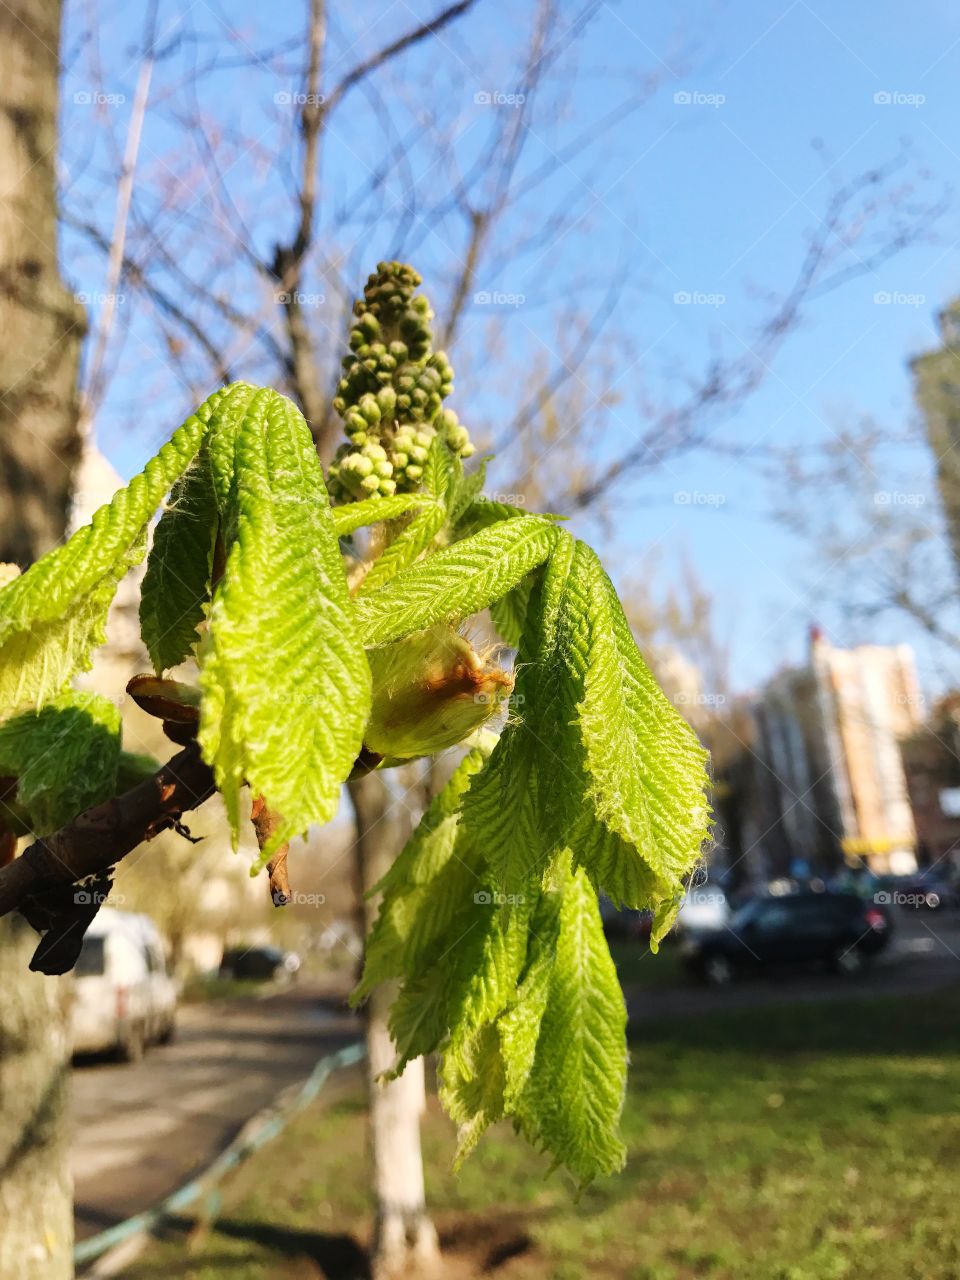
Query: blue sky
[707,196]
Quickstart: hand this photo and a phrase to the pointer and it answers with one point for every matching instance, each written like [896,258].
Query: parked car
[124,997]
[796,929]
[259,964]
[704,906]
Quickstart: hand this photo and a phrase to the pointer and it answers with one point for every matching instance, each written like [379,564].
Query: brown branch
[101,836]
[288,259]
[402,43]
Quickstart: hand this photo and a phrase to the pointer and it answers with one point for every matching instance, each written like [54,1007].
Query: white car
[704,906]
[124,997]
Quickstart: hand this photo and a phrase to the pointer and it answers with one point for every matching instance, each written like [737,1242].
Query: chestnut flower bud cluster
[391,393]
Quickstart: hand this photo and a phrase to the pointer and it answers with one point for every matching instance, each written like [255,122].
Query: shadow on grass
[337,1256]
[909,1026]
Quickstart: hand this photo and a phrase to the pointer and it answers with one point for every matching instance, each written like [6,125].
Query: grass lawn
[816,1142]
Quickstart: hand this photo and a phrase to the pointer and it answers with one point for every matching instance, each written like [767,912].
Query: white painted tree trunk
[405,1241]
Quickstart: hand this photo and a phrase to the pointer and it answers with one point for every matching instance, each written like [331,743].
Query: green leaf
[37,661]
[646,769]
[467,491]
[621,776]
[442,471]
[53,616]
[406,546]
[457,581]
[424,890]
[573,1096]
[500,811]
[357,515]
[519,1025]
[176,585]
[284,679]
[65,758]
[472,1088]
[510,613]
[470,978]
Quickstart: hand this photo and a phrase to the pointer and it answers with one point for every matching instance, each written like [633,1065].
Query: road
[141,1130]
[923,956]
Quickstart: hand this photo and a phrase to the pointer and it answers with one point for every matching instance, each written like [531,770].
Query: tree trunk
[39,449]
[36,1202]
[405,1241]
[40,321]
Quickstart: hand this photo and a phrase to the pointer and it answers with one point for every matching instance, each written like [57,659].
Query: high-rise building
[937,390]
[829,770]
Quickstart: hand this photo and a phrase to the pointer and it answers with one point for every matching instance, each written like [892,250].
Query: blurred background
[698,272]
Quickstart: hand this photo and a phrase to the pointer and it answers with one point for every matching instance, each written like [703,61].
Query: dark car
[797,929]
[258,963]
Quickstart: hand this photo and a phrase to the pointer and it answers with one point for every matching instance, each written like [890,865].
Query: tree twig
[97,839]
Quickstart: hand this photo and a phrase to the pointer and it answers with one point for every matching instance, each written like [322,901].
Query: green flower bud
[414,472]
[376,452]
[430,691]
[383,469]
[418,453]
[370,484]
[387,400]
[388,487]
[369,409]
